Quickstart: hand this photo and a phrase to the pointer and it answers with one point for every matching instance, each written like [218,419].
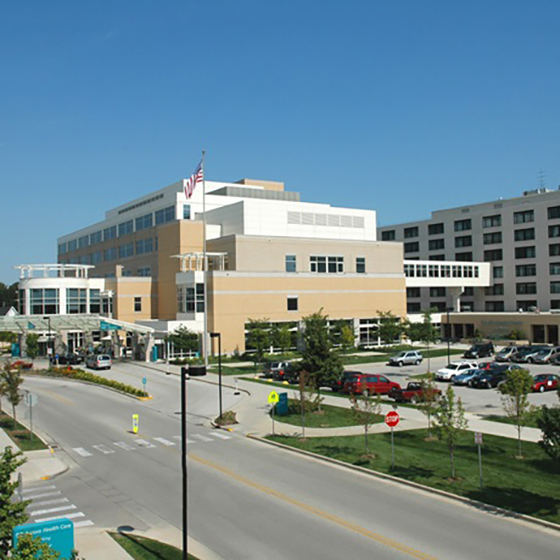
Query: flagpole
[204,263]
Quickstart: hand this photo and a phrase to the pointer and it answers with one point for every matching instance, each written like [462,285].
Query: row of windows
[124,228]
[440,271]
[46,301]
[325,264]
[522,217]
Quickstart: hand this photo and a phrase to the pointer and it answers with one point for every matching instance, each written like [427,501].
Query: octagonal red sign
[392,419]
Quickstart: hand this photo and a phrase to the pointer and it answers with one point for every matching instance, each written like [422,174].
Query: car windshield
[353,378]
[540,377]
[452,366]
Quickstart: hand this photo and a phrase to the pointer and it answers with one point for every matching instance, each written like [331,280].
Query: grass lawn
[21,436]
[530,423]
[530,485]
[329,417]
[233,370]
[141,548]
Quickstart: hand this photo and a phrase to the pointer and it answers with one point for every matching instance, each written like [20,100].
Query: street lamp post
[219,337]
[448,328]
[48,319]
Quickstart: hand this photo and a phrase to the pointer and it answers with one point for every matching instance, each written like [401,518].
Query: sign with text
[104,326]
[478,438]
[392,419]
[58,533]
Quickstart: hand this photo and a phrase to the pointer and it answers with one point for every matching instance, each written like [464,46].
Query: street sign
[135,421]
[31,399]
[58,533]
[144,381]
[273,398]
[104,326]
[392,419]
[478,438]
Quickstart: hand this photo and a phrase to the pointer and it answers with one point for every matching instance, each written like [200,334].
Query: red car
[21,365]
[362,382]
[546,382]
[414,392]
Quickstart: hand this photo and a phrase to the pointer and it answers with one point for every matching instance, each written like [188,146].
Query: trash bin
[195,371]
[282,404]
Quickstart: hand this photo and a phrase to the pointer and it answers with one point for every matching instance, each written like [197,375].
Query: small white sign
[478,438]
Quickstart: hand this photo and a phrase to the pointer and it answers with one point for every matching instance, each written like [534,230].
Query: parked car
[546,382]
[67,359]
[21,365]
[479,350]
[505,354]
[414,392]
[488,379]
[465,377]
[373,384]
[406,357]
[526,354]
[99,361]
[338,384]
[546,355]
[271,369]
[454,368]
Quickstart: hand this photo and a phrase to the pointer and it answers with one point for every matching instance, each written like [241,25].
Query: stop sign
[392,419]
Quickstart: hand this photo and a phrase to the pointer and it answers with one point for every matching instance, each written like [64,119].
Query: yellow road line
[315,511]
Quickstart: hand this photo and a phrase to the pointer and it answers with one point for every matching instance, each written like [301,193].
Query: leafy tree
[11,377]
[347,338]
[258,338]
[30,548]
[549,423]
[319,359]
[32,345]
[429,402]
[450,422]
[390,327]
[515,399]
[12,511]
[282,337]
[8,336]
[424,332]
[365,409]
[184,339]
[9,294]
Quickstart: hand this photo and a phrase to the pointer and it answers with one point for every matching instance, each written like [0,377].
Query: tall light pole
[48,319]
[219,337]
[448,328]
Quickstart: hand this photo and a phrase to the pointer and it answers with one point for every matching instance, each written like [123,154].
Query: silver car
[406,357]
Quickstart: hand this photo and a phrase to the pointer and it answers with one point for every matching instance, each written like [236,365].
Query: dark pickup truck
[413,392]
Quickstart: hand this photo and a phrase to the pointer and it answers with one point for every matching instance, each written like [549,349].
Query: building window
[144,271]
[435,229]
[492,221]
[96,257]
[145,222]
[125,251]
[436,258]
[523,217]
[144,246]
[94,301]
[413,292]
[494,306]
[413,307]
[524,234]
[194,299]
[553,231]
[555,304]
[62,248]
[165,215]
[493,255]
[554,250]
[292,303]
[526,288]
[72,245]
[491,238]
[464,257]
[463,241]
[95,237]
[555,287]
[410,232]
[361,265]
[495,290]
[109,233]
[137,304]
[44,301]
[412,247]
[554,269]
[553,212]
[83,242]
[110,254]
[498,272]
[125,228]
[186,212]
[436,244]
[76,300]
[469,291]
[526,270]
[332,265]
[439,306]
[462,225]
[291,263]
[525,252]
[388,235]
[437,292]
[529,305]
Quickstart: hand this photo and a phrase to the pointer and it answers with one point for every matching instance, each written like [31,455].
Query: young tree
[429,401]
[12,511]
[428,334]
[390,327]
[450,422]
[282,337]
[347,338]
[184,339]
[318,357]
[32,345]
[258,338]
[515,399]
[365,409]
[549,423]
[11,378]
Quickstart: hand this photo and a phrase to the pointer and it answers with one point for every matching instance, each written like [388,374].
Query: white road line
[46,495]
[164,441]
[48,503]
[103,449]
[86,523]
[219,435]
[187,440]
[144,443]
[52,510]
[202,438]
[69,516]
[83,452]
[38,489]
[124,446]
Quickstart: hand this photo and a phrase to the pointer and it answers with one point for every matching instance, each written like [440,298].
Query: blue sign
[16,350]
[58,533]
[104,326]
[144,381]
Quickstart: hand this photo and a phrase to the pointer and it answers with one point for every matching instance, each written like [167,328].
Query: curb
[468,501]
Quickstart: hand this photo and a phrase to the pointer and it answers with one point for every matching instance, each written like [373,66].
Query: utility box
[282,404]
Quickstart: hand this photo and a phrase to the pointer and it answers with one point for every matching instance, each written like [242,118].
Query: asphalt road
[248,500]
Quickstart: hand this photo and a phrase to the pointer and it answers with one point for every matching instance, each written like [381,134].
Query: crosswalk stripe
[201,437]
[164,441]
[220,435]
[69,516]
[86,523]
[46,495]
[48,503]
[187,439]
[83,452]
[125,446]
[37,489]
[103,448]
[52,510]
[144,443]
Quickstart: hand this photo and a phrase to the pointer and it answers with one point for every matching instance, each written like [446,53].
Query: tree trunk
[365,434]
[452,463]
[519,440]
[15,421]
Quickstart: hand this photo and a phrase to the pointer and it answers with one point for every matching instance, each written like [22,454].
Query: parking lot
[478,401]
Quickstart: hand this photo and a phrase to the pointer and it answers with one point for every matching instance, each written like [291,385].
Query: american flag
[193,180]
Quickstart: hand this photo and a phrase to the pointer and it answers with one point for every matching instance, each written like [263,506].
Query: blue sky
[403,106]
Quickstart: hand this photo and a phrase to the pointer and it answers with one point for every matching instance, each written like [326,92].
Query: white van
[99,361]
